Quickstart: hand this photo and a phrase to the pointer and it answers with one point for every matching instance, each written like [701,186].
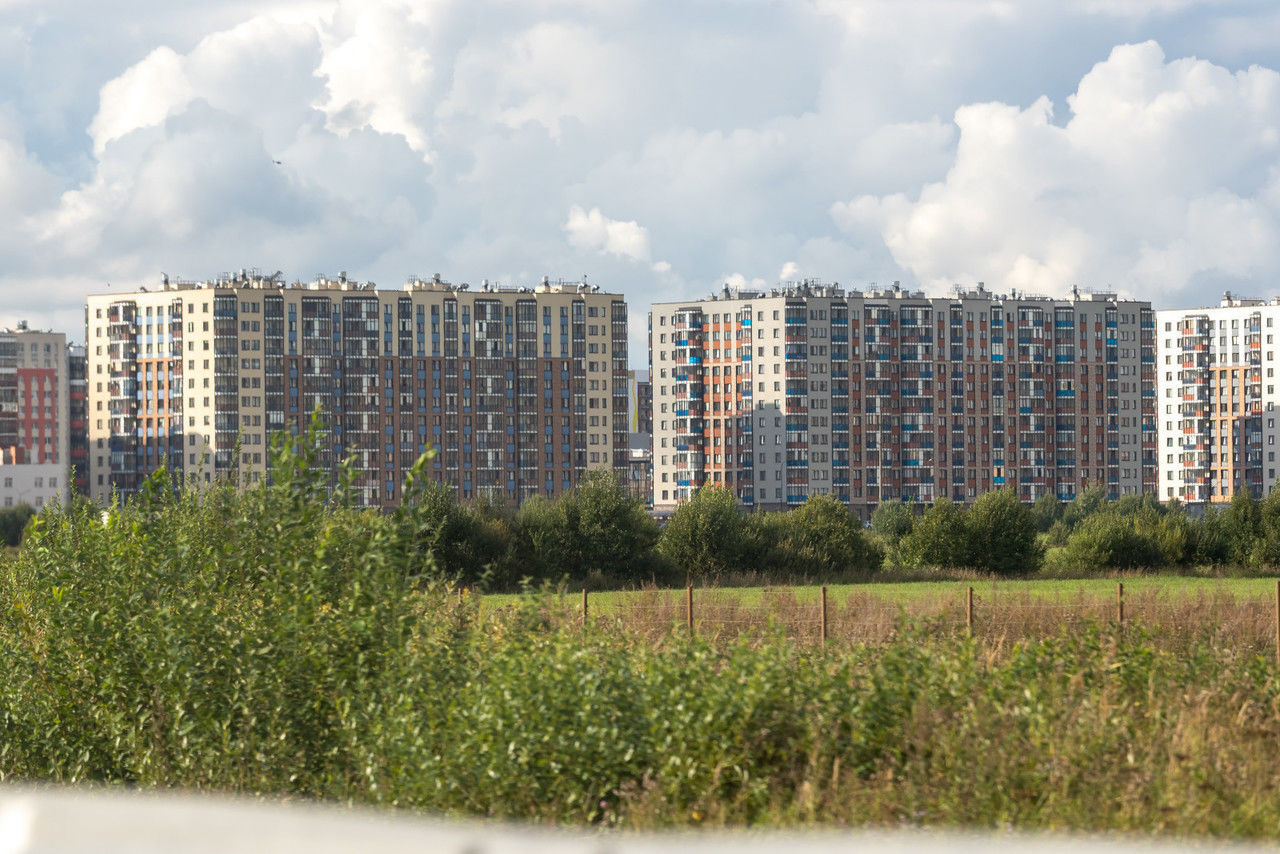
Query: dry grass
[1245,621]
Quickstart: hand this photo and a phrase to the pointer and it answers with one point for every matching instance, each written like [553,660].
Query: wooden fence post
[688,608]
[968,610]
[1120,603]
[1278,621]
[824,615]
[584,607]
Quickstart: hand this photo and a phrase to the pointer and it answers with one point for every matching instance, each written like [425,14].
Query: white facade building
[1217,400]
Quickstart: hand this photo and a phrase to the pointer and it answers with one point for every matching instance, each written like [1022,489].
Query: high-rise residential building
[1217,399]
[35,419]
[520,389]
[78,407]
[640,423]
[810,389]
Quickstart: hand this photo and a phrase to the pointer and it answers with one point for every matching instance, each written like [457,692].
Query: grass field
[1170,586]
[1176,609]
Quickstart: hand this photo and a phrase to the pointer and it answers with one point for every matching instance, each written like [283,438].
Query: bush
[941,538]
[820,538]
[1002,535]
[598,529]
[468,542]
[1112,541]
[891,521]
[13,522]
[707,535]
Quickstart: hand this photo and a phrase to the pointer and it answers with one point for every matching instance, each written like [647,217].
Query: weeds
[275,641]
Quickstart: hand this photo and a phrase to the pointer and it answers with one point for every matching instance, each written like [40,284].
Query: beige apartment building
[521,390]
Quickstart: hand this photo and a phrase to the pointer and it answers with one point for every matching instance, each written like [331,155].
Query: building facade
[1217,400]
[35,423]
[520,390]
[640,425]
[869,396]
[78,408]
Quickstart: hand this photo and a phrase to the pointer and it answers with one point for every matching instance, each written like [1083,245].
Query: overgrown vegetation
[274,640]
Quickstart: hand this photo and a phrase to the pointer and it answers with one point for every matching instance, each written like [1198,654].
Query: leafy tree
[13,521]
[467,541]
[1002,534]
[1241,526]
[1085,504]
[597,528]
[821,537]
[892,520]
[706,535]
[1267,549]
[1112,541]
[1046,511]
[940,538]
[1210,543]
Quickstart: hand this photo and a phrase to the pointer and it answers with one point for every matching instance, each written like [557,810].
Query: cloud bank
[663,150]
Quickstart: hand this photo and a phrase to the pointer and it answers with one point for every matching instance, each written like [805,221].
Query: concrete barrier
[85,821]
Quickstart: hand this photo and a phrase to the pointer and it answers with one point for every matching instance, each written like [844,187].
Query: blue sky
[661,148]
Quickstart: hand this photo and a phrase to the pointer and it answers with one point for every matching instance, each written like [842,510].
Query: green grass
[909,592]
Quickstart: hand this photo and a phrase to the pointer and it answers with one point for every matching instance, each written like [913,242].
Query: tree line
[600,536]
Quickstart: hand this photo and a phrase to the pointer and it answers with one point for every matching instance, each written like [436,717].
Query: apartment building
[1217,399]
[810,389]
[520,389]
[78,408]
[35,424]
[640,424]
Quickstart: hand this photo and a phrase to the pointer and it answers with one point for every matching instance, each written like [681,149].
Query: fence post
[968,610]
[1278,621]
[1120,603]
[584,607]
[824,615]
[688,608]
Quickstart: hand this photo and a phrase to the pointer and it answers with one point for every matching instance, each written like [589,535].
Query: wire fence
[1248,621]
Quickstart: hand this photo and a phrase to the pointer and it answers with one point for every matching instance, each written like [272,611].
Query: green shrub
[707,535]
[1002,535]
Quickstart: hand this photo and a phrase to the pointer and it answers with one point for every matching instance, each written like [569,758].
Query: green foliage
[1113,541]
[274,641]
[891,521]
[1002,535]
[820,538]
[468,542]
[707,535]
[599,528]
[1085,504]
[13,522]
[941,538]
[1047,511]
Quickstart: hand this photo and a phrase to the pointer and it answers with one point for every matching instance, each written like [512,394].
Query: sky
[662,149]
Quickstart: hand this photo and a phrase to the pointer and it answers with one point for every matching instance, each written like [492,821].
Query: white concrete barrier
[82,821]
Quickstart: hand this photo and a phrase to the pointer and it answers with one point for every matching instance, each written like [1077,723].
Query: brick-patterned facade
[868,396]
[520,390]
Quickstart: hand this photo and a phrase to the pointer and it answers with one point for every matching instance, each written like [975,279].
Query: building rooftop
[254,279]
[832,290]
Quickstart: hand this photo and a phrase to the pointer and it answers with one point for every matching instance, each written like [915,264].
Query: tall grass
[275,641]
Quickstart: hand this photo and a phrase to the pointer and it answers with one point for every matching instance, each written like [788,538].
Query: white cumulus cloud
[1165,177]
[592,230]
